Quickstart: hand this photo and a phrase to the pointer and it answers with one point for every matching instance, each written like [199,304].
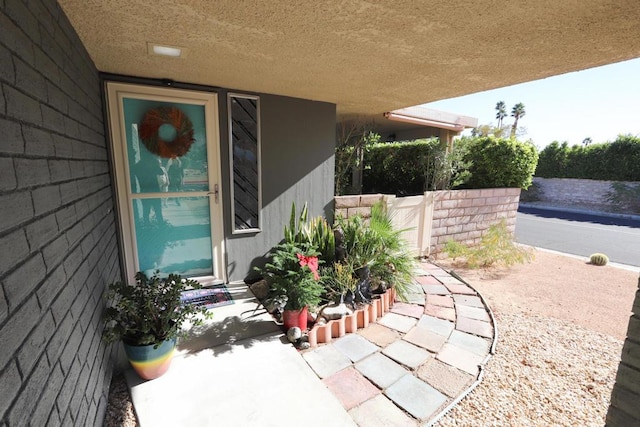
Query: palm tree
[501,109]
[517,112]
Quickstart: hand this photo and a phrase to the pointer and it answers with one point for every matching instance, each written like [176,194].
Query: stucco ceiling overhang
[367,57]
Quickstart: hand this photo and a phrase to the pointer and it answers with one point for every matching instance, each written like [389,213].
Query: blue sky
[600,103]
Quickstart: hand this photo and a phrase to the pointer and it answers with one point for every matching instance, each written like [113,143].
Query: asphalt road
[580,234]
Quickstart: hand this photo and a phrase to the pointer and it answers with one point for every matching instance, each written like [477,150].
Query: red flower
[311,262]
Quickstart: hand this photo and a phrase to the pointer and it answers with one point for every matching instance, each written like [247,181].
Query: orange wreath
[157,117]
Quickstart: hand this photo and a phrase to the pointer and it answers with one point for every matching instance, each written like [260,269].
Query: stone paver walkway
[415,361]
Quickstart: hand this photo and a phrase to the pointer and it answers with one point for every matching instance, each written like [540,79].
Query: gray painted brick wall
[58,245]
[624,410]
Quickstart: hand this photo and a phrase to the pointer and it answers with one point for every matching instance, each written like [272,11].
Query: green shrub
[496,247]
[615,161]
[498,162]
[408,168]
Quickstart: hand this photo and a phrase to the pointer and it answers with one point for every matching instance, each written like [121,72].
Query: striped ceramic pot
[148,362]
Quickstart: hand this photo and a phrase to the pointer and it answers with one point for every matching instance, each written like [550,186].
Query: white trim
[259,164]
[115,93]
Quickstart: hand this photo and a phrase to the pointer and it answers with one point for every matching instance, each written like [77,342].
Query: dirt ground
[558,286]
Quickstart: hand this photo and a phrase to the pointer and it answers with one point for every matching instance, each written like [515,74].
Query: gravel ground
[545,372]
[120,409]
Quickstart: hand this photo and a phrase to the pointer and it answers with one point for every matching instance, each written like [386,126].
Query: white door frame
[115,93]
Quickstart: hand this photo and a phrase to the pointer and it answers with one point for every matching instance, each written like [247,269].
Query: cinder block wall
[579,193]
[464,215]
[624,409]
[57,233]
[461,215]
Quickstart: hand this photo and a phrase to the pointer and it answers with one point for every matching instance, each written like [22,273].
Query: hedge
[615,161]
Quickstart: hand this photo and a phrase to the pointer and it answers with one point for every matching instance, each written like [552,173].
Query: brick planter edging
[321,334]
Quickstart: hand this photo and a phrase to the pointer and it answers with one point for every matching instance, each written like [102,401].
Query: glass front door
[167,162]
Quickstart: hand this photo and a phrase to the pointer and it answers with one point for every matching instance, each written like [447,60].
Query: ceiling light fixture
[172,51]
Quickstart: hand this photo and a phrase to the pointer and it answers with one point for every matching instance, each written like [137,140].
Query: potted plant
[148,317]
[292,274]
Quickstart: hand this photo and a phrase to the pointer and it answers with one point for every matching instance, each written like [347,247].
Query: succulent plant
[599,259]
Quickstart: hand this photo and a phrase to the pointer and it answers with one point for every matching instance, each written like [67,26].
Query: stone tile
[405,309]
[355,347]
[427,280]
[441,300]
[424,338]
[416,298]
[380,411]
[439,326]
[472,343]
[418,272]
[326,360]
[407,354]
[440,312]
[450,280]
[397,322]
[473,312]
[379,335]
[350,387]
[435,290]
[445,378]
[416,397]
[460,289]
[460,358]
[381,370]
[475,327]
[472,301]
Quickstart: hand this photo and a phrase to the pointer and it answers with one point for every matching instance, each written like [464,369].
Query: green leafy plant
[499,162]
[379,246]
[149,311]
[292,272]
[598,259]
[315,232]
[340,280]
[496,247]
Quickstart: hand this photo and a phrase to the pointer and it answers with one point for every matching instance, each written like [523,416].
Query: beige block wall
[464,215]
[461,215]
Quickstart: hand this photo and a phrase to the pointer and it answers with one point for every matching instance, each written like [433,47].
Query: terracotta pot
[292,318]
[148,362]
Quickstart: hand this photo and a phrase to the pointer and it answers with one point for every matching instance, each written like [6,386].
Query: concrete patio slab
[380,411]
[326,360]
[439,326]
[435,290]
[440,300]
[445,313]
[379,335]
[477,313]
[407,354]
[473,301]
[350,387]
[460,358]
[381,370]
[398,322]
[355,347]
[460,289]
[445,378]
[426,339]
[475,327]
[472,343]
[416,397]
[428,280]
[204,389]
[405,309]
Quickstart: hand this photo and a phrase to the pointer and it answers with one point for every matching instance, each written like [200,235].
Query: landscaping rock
[260,289]
[333,312]
[294,334]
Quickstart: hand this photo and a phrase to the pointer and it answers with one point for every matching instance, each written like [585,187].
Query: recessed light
[156,49]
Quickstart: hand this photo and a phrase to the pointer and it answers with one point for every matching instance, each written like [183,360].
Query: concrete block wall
[461,215]
[464,215]
[347,206]
[624,409]
[57,232]
[577,193]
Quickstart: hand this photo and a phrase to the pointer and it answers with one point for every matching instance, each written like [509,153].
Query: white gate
[414,214]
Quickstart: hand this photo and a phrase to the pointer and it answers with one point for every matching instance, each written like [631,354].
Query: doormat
[210,297]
